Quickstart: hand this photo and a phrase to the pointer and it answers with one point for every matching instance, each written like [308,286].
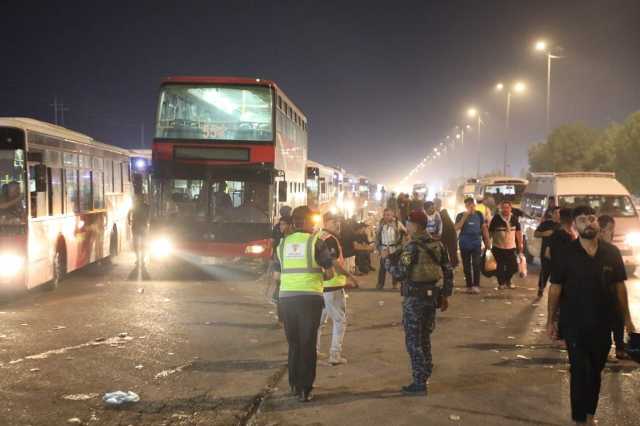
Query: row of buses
[227,154]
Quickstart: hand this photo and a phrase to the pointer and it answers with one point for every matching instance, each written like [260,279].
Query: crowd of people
[418,244]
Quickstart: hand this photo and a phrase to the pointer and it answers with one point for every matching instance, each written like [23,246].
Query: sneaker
[502,287]
[305,395]
[320,354]
[510,286]
[415,389]
[540,293]
[475,290]
[337,359]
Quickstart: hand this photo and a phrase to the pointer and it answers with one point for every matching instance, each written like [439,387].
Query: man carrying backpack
[389,237]
[423,263]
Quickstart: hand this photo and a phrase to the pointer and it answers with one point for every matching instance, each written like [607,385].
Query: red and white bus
[64,200]
[228,153]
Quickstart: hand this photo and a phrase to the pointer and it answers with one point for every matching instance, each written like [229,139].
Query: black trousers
[545,272]
[471,262]
[587,356]
[301,316]
[382,275]
[618,332]
[507,264]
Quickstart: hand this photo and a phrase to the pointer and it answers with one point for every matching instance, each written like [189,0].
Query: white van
[602,191]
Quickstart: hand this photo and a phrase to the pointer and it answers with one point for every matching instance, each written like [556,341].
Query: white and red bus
[64,200]
[228,152]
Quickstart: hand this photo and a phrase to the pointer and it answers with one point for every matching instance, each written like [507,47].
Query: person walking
[303,263]
[139,222]
[473,230]
[403,208]
[392,203]
[588,288]
[545,230]
[434,220]
[607,231]
[424,262]
[449,235]
[335,301]
[506,239]
[389,237]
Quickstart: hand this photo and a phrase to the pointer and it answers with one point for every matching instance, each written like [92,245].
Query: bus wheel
[59,269]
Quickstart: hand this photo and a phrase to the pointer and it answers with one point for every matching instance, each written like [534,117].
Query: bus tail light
[255,249]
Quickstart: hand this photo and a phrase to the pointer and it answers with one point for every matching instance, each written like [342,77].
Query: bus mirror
[282,191]
[41,178]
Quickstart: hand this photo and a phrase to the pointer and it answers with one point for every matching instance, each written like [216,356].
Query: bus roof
[240,81]
[32,124]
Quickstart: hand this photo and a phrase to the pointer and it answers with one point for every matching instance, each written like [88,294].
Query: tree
[572,147]
[625,139]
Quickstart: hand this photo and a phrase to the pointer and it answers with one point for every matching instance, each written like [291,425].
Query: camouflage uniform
[421,301]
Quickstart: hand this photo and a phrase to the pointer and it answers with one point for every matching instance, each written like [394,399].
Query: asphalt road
[204,348]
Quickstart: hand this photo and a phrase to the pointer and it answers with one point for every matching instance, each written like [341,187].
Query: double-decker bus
[64,201]
[228,152]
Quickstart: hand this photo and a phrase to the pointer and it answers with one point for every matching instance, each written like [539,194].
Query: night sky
[381,82]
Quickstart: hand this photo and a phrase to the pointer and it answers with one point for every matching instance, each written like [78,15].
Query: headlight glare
[632,239]
[255,249]
[161,248]
[10,264]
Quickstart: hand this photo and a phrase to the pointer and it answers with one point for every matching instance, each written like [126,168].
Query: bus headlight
[632,239]
[255,249]
[161,248]
[10,265]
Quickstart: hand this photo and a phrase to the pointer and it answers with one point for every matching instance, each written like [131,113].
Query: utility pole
[58,107]
[55,109]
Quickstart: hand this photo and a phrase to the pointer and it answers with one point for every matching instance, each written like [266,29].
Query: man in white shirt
[389,236]
[434,221]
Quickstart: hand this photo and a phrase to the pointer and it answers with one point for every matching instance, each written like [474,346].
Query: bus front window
[13,204]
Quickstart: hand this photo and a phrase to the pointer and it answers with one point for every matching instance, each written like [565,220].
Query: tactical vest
[426,266]
[299,271]
[338,279]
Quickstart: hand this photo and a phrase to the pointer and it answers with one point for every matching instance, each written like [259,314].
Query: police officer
[335,301]
[303,262]
[423,263]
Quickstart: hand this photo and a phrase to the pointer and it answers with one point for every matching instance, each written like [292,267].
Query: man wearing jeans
[335,301]
[473,229]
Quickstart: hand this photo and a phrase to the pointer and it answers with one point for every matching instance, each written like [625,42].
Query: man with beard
[590,276]
[506,239]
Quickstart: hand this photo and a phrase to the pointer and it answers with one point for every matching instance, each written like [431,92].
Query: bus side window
[39,205]
[71,190]
[98,190]
[56,200]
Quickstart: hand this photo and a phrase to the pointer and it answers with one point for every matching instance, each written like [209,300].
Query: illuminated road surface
[205,351]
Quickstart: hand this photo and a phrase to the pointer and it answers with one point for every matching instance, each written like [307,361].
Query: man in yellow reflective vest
[335,302]
[303,262]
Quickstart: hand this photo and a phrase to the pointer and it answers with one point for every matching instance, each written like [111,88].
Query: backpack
[425,265]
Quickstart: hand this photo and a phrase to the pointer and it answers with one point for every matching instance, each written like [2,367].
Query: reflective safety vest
[299,271]
[338,279]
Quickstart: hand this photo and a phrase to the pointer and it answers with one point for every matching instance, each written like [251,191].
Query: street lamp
[518,88]
[543,47]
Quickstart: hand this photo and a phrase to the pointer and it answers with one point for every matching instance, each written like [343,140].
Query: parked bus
[228,152]
[64,203]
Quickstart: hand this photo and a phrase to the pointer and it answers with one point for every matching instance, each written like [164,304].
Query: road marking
[44,355]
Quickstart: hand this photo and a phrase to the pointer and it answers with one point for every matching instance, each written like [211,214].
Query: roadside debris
[120,397]
[80,396]
[59,327]
[523,357]
[381,303]
[34,370]
[74,420]
[139,367]
[454,417]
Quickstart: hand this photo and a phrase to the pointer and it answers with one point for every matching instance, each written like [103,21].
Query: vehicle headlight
[161,248]
[10,265]
[632,239]
[255,249]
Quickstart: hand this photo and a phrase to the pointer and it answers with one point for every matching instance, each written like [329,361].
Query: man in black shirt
[590,277]
[544,231]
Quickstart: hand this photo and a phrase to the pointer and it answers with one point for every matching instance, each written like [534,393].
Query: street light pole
[478,144]
[507,135]
[548,92]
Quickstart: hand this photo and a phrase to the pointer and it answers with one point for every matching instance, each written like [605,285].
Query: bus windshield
[505,192]
[242,113]
[612,205]
[13,202]
[219,201]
